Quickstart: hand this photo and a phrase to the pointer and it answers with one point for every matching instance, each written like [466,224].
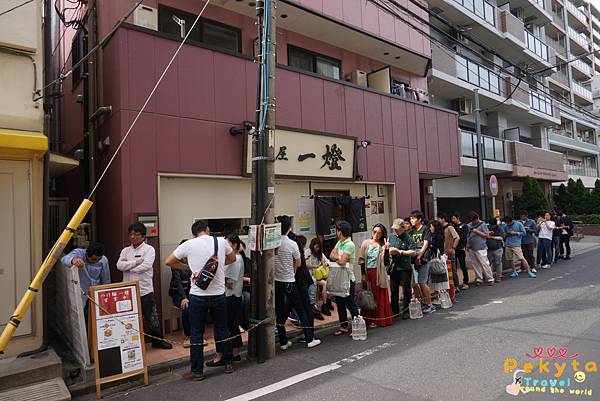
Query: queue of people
[211,275]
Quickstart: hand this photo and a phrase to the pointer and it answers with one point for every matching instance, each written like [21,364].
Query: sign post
[116,327]
[494,192]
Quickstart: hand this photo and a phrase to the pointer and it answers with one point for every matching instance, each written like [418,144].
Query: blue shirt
[530,230]
[90,274]
[514,240]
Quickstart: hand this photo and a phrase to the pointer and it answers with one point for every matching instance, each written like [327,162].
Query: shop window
[225,226]
[78,51]
[214,34]
[313,62]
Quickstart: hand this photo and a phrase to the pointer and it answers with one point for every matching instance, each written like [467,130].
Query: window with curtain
[312,62]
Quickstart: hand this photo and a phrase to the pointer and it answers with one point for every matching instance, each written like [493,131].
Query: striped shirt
[283,261]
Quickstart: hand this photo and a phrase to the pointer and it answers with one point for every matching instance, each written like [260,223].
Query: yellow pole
[36,284]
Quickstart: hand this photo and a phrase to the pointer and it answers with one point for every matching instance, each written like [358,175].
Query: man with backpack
[477,249]
[451,241]
[460,250]
[206,294]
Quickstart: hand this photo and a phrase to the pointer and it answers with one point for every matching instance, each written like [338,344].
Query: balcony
[580,15]
[478,75]
[580,39]
[557,18]
[581,91]
[584,171]
[558,46]
[481,8]
[596,20]
[596,33]
[493,148]
[582,70]
[536,46]
[531,161]
[564,140]
[540,102]
[561,78]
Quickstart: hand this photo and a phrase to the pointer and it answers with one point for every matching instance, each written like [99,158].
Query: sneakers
[545,266]
[286,346]
[532,275]
[428,309]
[464,287]
[490,282]
[313,343]
[514,274]
[534,271]
[229,368]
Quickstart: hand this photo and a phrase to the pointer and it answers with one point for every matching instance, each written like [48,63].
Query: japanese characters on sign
[311,155]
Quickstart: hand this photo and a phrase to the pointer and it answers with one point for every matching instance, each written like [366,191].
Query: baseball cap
[397,224]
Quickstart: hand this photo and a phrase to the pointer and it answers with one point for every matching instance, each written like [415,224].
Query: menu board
[116,325]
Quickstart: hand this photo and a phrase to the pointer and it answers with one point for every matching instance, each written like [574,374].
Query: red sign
[115,301]
[493,185]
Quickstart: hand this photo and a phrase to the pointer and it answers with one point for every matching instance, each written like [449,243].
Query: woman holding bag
[318,266]
[372,256]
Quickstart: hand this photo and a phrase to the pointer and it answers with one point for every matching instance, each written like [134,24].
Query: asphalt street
[455,354]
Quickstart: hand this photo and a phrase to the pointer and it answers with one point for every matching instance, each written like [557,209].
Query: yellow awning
[14,142]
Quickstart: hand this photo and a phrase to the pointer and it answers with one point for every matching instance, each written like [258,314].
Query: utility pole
[480,173]
[263,186]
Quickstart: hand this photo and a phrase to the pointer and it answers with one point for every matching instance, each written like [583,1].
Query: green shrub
[586,218]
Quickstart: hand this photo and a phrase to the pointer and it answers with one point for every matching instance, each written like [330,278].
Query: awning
[61,164]
[22,143]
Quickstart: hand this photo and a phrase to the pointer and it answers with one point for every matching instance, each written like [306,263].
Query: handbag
[203,278]
[338,281]
[364,297]
[438,270]
[321,272]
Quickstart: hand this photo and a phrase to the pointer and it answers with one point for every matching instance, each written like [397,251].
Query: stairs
[36,377]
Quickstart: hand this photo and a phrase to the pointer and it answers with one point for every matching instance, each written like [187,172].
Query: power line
[15,7]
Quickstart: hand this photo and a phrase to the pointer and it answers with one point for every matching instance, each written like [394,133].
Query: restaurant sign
[310,155]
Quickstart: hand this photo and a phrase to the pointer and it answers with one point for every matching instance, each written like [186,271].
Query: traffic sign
[493,185]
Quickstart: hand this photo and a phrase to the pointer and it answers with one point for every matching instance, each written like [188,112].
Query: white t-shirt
[546,229]
[283,261]
[198,251]
[235,273]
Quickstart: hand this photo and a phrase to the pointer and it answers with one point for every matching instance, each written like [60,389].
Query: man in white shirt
[285,262]
[545,228]
[136,262]
[198,251]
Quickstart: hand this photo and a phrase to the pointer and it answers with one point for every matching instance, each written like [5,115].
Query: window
[399,87]
[214,34]
[78,51]
[312,62]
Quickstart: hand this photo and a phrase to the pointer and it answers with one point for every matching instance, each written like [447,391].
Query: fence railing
[478,75]
[536,45]
[493,148]
[581,90]
[586,171]
[481,8]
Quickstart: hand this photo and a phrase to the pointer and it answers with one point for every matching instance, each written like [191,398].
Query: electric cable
[147,100]
[15,7]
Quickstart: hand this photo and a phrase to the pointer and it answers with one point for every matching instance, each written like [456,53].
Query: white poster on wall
[305,223]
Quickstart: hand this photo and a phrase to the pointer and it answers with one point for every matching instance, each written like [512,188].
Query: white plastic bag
[338,281]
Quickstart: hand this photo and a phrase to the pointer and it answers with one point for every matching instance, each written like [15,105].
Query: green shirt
[404,243]
[372,255]
[347,246]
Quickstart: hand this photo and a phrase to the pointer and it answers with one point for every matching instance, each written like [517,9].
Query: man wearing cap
[402,249]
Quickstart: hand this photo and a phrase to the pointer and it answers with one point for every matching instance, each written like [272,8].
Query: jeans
[312,294]
[185,314]
[234,304]
[304,294]
[288,291]
[555,248]
[344,303]
[528,254]
[198,310]
[545,251]
[150,318]
[400,278]
[245,313]
[452,259]
[495,258]
[565,242]
[461,259]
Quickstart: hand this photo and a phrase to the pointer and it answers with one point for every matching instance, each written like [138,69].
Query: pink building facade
[184,132]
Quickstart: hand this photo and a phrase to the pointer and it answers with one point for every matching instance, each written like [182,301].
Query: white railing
[578,37]
[536,45]
[581,65]
[478,75]
[586,171]
[577,12]
[586,93]
[596,33]
[596,20]
[482,8]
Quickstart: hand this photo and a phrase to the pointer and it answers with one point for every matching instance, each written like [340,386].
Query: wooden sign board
[116,326]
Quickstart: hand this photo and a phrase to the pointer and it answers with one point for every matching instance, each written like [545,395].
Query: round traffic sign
[493,185]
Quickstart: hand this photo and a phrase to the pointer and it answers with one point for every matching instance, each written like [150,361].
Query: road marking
[290,381]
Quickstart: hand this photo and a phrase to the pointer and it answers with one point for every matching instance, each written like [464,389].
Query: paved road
[456,354]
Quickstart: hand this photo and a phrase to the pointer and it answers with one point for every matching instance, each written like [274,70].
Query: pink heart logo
[551,352]
[513,389]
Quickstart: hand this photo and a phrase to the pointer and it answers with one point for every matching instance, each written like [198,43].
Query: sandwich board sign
[116,326]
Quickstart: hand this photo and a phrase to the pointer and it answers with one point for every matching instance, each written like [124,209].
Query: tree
[595,198]
[578,197]
[532,200]
[562,199]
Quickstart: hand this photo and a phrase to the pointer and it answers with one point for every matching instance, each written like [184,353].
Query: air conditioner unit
[463,106]
[146,17]
[359,77]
